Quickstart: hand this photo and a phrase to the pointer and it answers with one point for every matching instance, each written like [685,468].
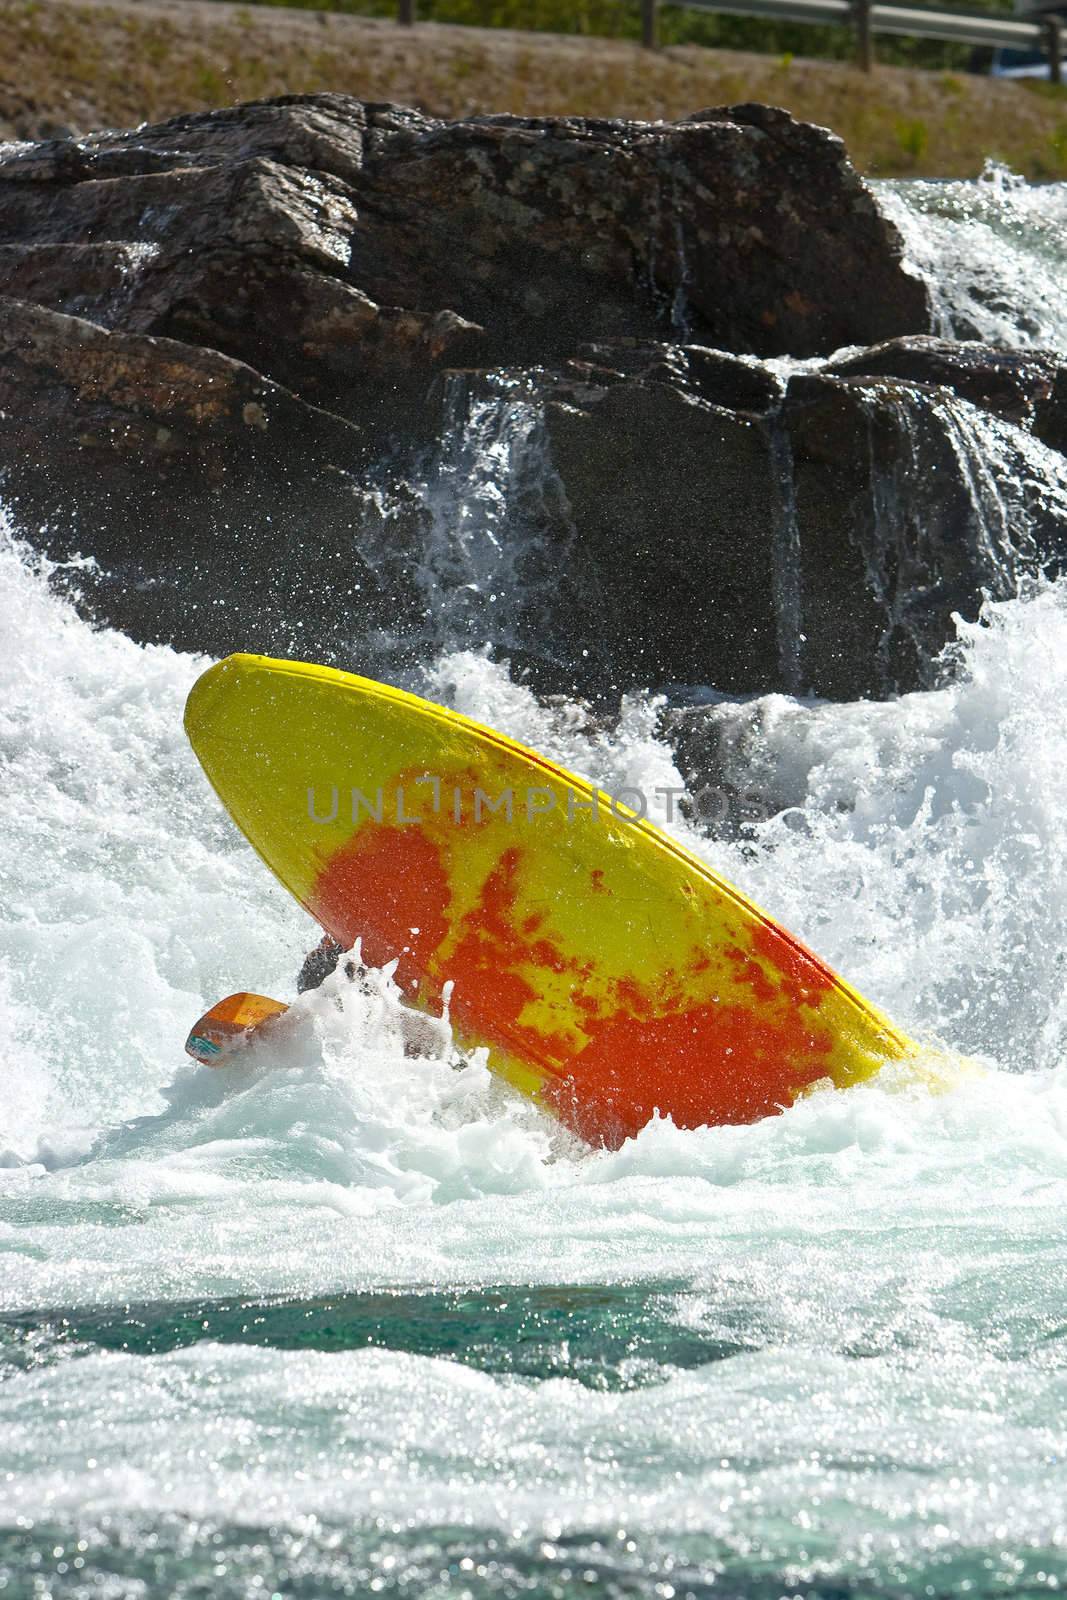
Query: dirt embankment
[81,64]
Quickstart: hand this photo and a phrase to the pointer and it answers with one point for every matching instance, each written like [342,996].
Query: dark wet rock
[320,376]
[145,400]
[192,482]
[351,250]
[1028,387]
[1050,414]
[907,505]
[732,382]
[732,782]
[668,581]
[248,258]
[821,544]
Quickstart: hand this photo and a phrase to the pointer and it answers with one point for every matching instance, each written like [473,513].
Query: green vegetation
[913,136]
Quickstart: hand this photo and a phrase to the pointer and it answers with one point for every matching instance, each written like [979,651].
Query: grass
[80,64]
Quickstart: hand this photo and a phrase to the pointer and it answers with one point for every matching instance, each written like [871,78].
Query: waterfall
[991,252]
[673,308]
[954,500]
[785,556]
[496,524]
[955,494]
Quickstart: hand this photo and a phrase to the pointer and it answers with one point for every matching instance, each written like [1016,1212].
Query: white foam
[992,252]
[918,844]
[853,1467]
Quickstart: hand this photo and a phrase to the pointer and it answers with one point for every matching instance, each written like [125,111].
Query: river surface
[343,1322]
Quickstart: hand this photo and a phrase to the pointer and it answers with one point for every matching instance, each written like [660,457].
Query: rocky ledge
[338,378]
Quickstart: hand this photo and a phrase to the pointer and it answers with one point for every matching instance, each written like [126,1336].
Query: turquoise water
[341,1321]
[611,1337]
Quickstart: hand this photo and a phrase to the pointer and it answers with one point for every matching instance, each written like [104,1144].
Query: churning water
[344,1321]
[993,253]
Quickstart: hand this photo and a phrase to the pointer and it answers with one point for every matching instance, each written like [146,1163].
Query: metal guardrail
[964,27]
[961,27]
[869,17]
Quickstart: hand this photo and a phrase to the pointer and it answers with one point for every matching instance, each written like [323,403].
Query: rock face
[328,378]
[907,506]
[331,244]
[671,579]
[172,465]
[1027,387]
[814,535]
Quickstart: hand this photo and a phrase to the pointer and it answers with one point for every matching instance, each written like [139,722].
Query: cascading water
[788,597]
[491,497]
[992,252]
[1003,485]
[822,1355]
[955,500]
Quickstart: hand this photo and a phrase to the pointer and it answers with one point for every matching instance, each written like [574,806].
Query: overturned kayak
[609,971]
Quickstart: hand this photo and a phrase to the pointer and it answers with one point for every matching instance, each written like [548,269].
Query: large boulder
[322,377]
[349,250]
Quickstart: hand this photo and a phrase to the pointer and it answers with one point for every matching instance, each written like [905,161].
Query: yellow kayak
[610,973]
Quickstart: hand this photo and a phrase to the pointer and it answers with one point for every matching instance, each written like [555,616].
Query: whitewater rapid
[920,850]
[821,1354]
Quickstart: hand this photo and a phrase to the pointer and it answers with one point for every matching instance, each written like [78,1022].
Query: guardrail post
[861,19]
[649,24]
[405,13]
[1054,49]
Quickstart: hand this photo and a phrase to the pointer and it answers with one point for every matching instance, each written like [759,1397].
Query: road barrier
[1038,33]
